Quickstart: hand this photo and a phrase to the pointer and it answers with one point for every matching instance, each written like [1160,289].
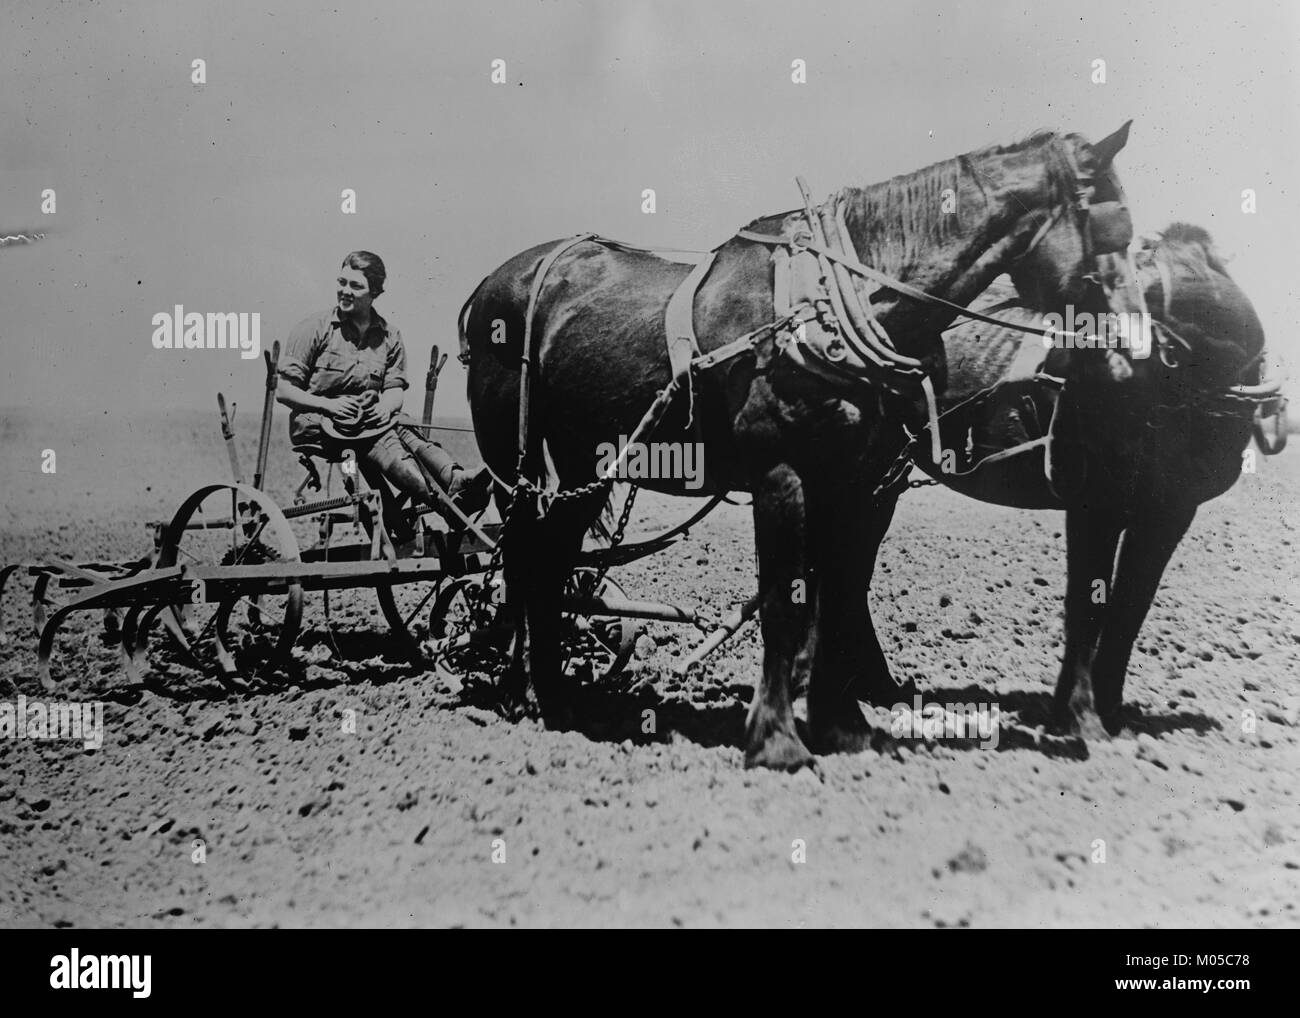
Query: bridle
[876,354]
[1112,215]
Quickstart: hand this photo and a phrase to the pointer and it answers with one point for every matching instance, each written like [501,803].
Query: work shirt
[326,355]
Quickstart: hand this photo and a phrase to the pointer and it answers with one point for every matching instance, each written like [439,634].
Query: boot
[471,489]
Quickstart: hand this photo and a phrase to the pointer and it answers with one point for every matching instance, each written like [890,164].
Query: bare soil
[306,824]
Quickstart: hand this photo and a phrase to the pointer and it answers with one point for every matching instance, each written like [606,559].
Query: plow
[235,581]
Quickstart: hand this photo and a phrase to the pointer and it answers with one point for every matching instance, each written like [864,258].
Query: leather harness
[823,322]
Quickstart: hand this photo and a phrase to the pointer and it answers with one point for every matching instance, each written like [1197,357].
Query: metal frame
[153,586]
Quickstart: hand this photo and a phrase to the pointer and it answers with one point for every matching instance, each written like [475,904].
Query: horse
[1129,464]
[566,346]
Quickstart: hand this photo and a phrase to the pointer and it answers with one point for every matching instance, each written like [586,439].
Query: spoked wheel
[404,606]
[598,646]
[248,635]
[468,629]
[469,632]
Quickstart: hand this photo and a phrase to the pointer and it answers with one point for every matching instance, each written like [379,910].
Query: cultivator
[228,579]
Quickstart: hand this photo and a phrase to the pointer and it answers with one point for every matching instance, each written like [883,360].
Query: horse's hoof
[839,729]
[780,751]
[1085,724]
[842,739]
[560,718]
[1112,722]
[884,692]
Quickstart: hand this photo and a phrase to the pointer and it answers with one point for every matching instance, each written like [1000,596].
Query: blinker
[1110,226]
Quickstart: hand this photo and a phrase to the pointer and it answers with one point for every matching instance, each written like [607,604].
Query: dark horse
[811,450]
[1130,463]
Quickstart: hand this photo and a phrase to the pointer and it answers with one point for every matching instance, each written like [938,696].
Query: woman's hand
[345,408]
[375,415]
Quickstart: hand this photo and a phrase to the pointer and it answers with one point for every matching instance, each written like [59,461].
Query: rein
[853,347]
[906,289]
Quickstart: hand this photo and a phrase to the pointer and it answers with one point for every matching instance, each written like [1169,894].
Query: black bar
[1021,971]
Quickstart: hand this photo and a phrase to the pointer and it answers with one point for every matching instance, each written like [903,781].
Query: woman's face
[354,293]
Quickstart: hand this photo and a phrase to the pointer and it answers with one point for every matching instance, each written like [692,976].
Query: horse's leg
[849,663]
[1091,537]
[779,533]
[557,544]
[873,682]
[1143,556]
[519,544]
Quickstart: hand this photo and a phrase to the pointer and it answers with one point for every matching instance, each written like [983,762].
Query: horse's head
[1208,335]
[1071,212]
[1205,338]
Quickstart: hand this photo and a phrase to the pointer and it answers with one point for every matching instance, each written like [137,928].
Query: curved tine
[44,649]
[113,622]
[39,617]
[172,622]
[5,573]
[140,620]
[229,670]
[103,596]
[128,652]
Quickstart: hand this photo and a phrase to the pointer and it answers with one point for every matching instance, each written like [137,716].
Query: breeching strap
[525,373]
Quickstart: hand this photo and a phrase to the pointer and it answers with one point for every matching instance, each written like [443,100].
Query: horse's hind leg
[849,663]
[779,532]
[1091,538]
[1147,548]
[519,539]
[864,528]
[558,540]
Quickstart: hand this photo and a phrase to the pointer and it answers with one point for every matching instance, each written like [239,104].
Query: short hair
[369,265]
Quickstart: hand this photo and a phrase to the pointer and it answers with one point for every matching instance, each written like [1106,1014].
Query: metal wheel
[598,646]
[252,633]
[468,631]
[403,605]
[471,633]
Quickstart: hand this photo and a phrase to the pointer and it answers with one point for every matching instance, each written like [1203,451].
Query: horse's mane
[1189,251]
[898,220]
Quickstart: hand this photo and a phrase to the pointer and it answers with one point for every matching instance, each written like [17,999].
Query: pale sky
[226,196]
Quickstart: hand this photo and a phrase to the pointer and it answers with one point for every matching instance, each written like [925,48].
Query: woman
[344,374]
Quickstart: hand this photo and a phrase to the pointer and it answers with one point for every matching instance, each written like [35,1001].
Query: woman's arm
[296,398]
[389,403]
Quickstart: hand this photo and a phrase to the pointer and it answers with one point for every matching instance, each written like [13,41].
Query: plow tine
[128,652]
[45,648]
[224,658]
[39,601]
[142,620]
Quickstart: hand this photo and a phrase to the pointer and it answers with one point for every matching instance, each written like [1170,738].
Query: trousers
[397,454]
[399,457]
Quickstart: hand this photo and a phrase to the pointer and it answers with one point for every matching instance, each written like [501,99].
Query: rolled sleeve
[299,357]
[395,363]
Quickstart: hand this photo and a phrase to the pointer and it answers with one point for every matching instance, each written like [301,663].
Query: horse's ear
[1109,147]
